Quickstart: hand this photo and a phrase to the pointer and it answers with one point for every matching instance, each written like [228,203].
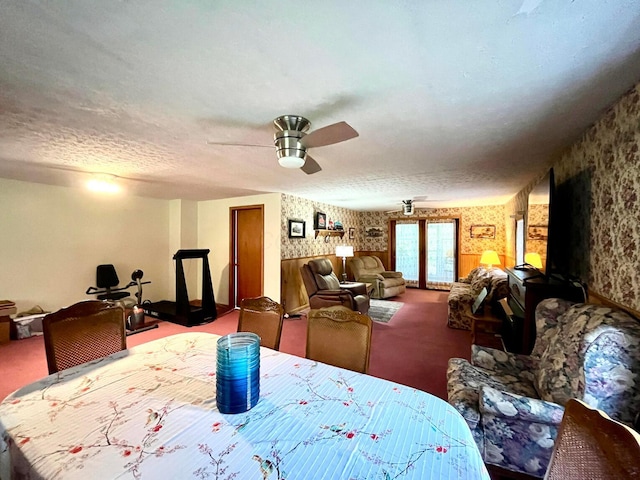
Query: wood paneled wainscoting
[469,261]
[293,294]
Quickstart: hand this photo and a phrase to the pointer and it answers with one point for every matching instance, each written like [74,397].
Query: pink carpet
[412,349]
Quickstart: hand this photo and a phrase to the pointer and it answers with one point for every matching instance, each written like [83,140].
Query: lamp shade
[344,251]
[490,257]
[533,259]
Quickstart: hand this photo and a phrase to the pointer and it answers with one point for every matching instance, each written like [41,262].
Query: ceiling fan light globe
[291,162]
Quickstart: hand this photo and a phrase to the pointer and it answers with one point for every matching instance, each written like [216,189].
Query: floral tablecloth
[150,413]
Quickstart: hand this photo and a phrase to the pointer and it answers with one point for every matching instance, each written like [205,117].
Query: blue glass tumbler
[238,372]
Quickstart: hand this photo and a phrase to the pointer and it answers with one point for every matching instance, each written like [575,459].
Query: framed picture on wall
[296,228]
[373,232]
[483,231]
[321,221]
[538,232]
[352,233]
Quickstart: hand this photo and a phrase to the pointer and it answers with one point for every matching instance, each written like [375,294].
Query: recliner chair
[323,288]
[370,269]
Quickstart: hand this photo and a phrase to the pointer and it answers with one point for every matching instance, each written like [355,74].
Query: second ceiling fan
[292,141]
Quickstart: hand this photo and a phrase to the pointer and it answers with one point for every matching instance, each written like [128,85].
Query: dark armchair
[323,288]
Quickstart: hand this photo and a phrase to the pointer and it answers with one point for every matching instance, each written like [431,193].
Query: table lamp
[489,258]
[344,251]
[533,259]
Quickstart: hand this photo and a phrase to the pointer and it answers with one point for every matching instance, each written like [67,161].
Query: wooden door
[247,253]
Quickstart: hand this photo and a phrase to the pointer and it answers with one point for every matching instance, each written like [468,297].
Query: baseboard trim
[595,297]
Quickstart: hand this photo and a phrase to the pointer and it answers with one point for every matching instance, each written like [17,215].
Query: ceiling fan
[292,141]
[408,206]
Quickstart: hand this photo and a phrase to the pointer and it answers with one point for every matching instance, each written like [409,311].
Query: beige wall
[52,239]
[183,234]
[213,233]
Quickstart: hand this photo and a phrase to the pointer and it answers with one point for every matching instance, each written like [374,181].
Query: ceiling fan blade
[310,166]
[336,133]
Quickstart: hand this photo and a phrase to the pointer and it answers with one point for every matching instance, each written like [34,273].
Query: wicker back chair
[264,317]
[83,332]
[592,445]
[340,337]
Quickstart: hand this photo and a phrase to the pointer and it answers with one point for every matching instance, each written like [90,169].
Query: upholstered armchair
[465,291]
[369,269]
[514,403]
[323,288]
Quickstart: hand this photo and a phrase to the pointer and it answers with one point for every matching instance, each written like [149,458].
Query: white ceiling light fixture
[103,183]
[291,153]
[291,162]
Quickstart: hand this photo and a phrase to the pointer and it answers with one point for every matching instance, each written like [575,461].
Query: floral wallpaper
[377,223]
[600,176]
[487,215]
[303,209]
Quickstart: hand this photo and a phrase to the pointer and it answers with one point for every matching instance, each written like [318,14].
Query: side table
[485,330]
[369,288]
[7,308]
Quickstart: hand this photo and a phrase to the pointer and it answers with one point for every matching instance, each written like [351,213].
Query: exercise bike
[107,279]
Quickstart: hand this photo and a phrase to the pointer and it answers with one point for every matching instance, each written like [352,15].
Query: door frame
[232,246]
[422,245]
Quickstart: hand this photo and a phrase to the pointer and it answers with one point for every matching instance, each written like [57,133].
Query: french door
[425,251]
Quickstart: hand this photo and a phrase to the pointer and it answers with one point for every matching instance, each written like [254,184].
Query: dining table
[149,412]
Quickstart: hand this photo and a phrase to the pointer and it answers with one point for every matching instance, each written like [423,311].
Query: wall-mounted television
[538,225]
[570,226]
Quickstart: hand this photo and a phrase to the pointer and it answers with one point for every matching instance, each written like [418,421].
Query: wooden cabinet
[486,330]
[527,288]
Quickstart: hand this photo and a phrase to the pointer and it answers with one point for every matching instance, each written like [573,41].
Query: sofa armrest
[512,406]
[357,288]
[335,293]
[501,361]
[370,278]
[391,274]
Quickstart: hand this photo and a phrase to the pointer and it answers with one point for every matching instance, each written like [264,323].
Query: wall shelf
[329,233]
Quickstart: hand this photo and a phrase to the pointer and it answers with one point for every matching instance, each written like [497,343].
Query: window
[519,241]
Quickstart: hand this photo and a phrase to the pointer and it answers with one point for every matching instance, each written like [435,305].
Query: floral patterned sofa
[514,403]
[465,290]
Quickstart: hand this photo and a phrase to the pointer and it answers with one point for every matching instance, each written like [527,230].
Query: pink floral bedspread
[150,413]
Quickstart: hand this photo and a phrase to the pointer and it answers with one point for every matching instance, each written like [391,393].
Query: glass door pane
[441,251]
[407,252]
[520,241]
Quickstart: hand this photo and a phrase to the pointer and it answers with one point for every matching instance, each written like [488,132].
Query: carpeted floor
[383,310]
[412,349]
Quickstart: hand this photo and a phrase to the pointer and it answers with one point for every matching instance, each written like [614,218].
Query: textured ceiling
[462,102]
